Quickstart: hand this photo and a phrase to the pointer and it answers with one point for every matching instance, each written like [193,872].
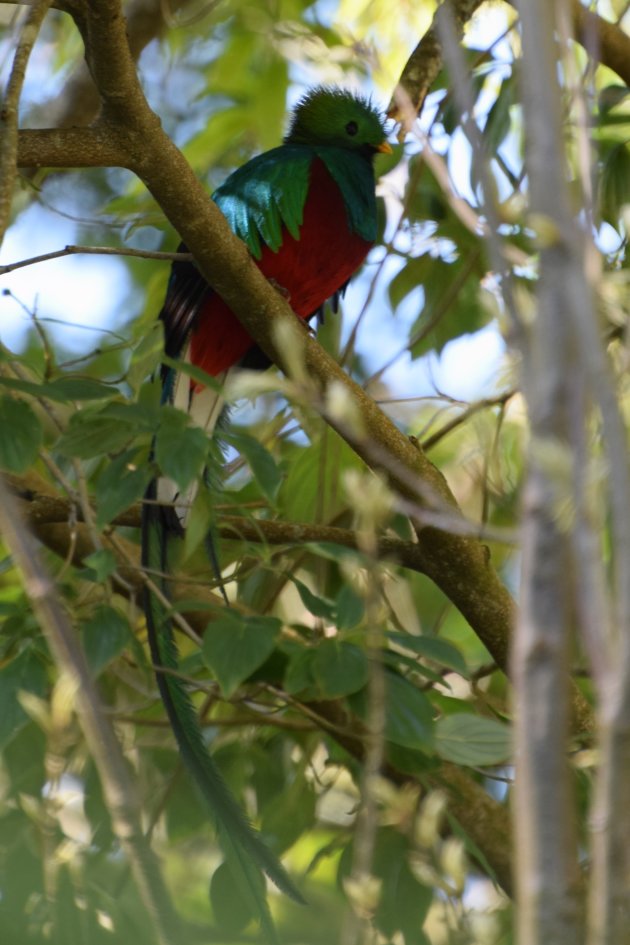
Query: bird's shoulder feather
[265,194]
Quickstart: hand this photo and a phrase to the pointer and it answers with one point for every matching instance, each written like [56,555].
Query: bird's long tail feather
[245,852]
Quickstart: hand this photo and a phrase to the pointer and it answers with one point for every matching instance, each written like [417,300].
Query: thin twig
[71,250]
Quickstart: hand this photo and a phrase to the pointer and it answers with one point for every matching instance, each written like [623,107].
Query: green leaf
[262,464]
[413,274]
[465,314]
[180,449]
[232,911]
[404,902]
[409,714]
[20,434]
[194,372]
[105,636]
[310,491]
[433,648]
[350,608]
[120,485]
[612,95]
[102,563]
[318,606]
[25,673]
[90,433]
[199,521]
[339,668]
[499,123]
[470,740]
[66,389]
[289,813]
[234,646]
[146,356]
[299,675]
[424,198]
[143,416]
[615,183]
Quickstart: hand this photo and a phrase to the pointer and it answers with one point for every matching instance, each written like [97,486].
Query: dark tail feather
[246,853]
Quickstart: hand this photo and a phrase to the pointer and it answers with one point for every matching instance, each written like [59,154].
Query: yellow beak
[385,148]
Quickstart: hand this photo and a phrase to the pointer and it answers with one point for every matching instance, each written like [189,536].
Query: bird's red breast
[310,270]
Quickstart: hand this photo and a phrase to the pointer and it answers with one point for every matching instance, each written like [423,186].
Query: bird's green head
[332,116]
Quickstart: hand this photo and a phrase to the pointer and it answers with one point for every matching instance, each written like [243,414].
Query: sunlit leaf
[471,740]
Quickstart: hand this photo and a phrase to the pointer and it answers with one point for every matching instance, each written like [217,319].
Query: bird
[306,211]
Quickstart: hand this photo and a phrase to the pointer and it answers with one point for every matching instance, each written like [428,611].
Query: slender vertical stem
[547,875]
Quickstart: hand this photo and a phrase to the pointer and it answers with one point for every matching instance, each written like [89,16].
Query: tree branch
[545,816]
[9,109]
[605,41]
[102,145]
[47,508]
[425,63]
[71,250]
[78,103]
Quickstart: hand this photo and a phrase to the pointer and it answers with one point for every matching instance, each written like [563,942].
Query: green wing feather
[270,191]
[246,854]
[265,194]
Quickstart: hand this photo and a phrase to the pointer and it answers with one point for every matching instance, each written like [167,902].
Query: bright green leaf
[467,739]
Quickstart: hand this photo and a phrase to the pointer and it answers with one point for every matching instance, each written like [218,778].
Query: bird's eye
[352,128]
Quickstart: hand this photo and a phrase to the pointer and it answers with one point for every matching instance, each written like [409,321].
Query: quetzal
[307,213]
